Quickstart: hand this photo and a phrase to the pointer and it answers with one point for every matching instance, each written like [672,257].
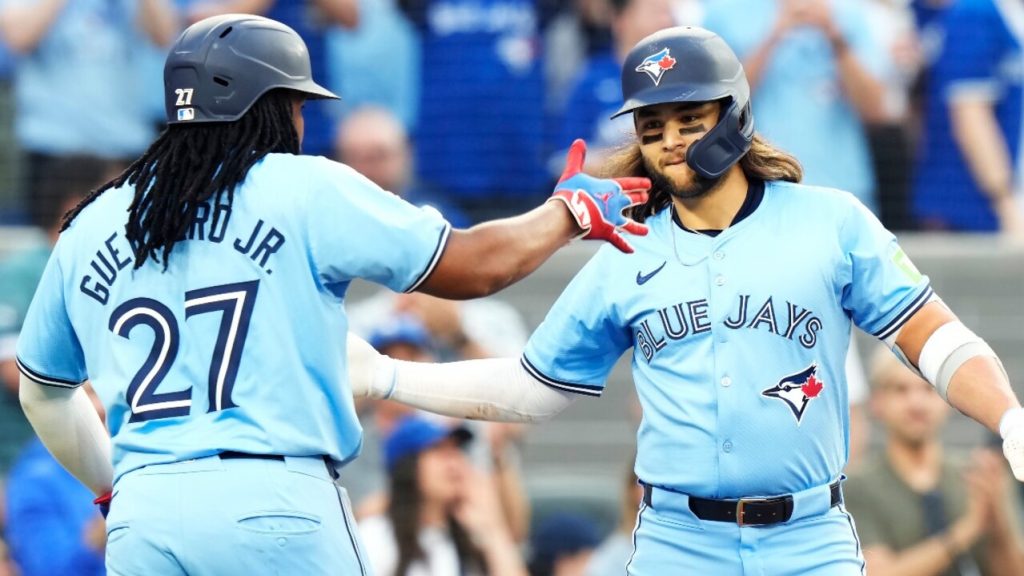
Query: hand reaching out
[597,204]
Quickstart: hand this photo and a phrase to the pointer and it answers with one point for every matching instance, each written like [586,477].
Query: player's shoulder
[316,171]
[810,200]
[111,206]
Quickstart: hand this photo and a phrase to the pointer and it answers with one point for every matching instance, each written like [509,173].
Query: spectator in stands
[53,528]
[969,173]
[892,22]
[372,140]
[596,93]
[612,555]
[480,135]
[354,62]
[59,190]
[920,510]
[814,67]
[562,545]
[444,517]
[398,336]
[75,82]
[494,449]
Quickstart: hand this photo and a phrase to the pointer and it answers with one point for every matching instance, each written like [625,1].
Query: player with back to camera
[738,308]
[201,293]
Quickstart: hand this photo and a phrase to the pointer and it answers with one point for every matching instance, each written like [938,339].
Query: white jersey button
[719,255]
[726,381]
[727,446]
[720,280]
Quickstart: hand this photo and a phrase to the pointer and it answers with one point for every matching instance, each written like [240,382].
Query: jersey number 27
[234,302]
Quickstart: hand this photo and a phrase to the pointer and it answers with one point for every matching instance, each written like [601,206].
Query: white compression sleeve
[492,389]
[67,423]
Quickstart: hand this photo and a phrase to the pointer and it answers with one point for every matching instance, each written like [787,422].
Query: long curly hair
[190,163]
[762,162]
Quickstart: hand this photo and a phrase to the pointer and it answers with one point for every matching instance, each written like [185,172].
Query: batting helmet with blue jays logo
[220,66]
[690,64]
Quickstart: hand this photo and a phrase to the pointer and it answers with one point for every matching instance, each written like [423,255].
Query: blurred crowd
[915,107]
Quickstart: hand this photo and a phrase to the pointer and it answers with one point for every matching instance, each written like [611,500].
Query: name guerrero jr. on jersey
[261,242]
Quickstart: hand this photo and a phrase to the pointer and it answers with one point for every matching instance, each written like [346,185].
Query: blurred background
[916,107]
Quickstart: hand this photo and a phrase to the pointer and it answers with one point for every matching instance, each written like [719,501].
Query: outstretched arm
[968,374]
[488,257]
[68,425]
[492,389]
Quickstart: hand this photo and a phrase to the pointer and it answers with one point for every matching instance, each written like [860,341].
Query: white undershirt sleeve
[68,425]
[497,389]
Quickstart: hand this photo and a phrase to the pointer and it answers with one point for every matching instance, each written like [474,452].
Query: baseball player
[738,308]
[201,293]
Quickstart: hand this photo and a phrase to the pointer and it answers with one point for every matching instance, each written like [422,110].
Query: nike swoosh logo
[642,279]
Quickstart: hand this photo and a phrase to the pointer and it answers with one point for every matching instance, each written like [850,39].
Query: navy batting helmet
[689,64]
[220,67]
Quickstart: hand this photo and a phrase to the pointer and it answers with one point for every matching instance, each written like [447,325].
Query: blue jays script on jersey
[738,340]
[245,334]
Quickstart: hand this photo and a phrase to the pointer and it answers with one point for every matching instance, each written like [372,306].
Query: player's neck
[919,464]
[717,209]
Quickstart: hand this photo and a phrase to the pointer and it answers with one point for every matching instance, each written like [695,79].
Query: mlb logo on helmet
[657,64]
[185,114]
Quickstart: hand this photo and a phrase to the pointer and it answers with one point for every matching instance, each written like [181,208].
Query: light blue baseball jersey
[240,344]
[739,341]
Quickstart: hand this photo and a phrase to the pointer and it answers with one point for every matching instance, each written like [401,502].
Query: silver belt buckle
[741,503]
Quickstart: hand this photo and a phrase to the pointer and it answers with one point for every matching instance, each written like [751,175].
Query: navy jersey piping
[559,384]
[40,378]
[901,318]
[442,245]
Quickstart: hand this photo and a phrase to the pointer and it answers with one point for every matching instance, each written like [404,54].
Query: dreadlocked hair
[189,164]
[762,162]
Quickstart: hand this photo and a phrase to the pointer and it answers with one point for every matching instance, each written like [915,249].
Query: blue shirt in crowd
[77,92]
[980,60]
[799,103]
[48,511]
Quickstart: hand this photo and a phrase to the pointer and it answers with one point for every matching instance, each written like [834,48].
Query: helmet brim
[671,93]
[314,91]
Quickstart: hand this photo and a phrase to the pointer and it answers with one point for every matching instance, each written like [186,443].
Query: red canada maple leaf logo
[667,63]
[812,387]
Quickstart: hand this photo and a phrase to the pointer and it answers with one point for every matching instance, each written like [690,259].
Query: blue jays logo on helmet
[656,65]
[797,390]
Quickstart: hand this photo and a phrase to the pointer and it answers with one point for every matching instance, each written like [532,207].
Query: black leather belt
[747,511]
[232,455]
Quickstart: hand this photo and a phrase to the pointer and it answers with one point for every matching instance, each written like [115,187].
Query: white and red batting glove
[1011,428]
[597,203]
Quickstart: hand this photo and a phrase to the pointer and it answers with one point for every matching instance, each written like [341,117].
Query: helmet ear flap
[725,143]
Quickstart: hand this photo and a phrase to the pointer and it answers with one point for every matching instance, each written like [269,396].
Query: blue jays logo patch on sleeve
[656,65]
[797,390]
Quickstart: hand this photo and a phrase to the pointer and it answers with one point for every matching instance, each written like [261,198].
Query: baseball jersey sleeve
[880,287]
[970,52]
[358,230]
[581,338]
[48,351]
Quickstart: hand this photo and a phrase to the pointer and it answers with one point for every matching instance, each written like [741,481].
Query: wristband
[1010,420]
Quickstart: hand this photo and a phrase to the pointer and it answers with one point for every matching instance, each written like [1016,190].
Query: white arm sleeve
[67,423]
[491,389]
[498,389]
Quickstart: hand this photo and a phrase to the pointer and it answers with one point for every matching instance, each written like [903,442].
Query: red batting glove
[103,502]
[597,204]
